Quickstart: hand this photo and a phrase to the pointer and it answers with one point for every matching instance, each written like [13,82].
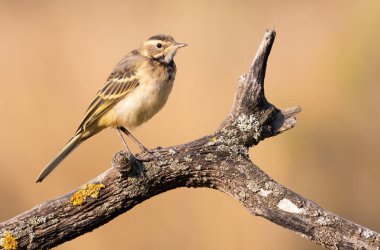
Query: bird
[137,88]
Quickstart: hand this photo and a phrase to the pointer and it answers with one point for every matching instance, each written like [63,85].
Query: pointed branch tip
[258,65]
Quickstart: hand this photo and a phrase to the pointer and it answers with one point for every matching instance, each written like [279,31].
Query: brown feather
[120,82]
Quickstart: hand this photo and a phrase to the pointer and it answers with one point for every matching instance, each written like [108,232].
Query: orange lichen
[90,190]
[9,242]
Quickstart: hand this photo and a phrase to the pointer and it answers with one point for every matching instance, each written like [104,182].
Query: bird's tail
[69,147]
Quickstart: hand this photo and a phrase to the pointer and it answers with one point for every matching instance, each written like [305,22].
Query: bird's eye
[159,45]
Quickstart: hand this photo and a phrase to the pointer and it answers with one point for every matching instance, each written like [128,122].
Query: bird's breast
[144,101]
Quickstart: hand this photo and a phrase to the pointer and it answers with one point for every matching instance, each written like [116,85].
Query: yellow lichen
[78,198]
[213,139]
[9,242]
[81,195]
[93,190]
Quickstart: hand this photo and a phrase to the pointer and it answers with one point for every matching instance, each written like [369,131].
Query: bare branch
[218,161]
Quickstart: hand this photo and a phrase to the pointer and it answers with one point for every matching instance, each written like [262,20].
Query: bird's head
[161,47]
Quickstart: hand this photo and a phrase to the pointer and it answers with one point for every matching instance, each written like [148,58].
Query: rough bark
[218,161]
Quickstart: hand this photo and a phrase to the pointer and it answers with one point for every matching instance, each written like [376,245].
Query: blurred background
[55,55]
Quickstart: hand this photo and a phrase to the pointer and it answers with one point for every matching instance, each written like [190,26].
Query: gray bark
[219,161]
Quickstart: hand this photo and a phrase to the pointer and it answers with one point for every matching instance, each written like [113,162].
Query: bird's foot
[150,154]
[145,155]
[147,150]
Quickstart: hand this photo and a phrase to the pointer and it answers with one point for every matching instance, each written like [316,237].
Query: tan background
[56,54]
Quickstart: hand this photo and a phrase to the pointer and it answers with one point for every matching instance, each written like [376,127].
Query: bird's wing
[119,84]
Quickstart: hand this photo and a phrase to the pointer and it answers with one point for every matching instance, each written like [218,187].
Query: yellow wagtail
[137,89]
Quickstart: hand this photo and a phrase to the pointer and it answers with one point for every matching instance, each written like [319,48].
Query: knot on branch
[123,162]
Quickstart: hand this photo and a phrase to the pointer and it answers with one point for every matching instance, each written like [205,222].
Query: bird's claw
[145,155]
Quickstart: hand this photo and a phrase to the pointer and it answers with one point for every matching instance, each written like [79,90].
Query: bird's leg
[141,146]
[118,129]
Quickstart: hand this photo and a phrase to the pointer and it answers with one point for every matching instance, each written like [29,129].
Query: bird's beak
[180,45]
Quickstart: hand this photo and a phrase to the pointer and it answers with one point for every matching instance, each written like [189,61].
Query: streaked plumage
[137,89]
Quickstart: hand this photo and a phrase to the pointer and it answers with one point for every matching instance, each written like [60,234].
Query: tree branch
[218,161]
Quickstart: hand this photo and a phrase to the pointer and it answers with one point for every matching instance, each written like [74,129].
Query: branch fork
[219,160]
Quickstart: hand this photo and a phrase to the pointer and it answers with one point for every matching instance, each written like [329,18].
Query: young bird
[137,89]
